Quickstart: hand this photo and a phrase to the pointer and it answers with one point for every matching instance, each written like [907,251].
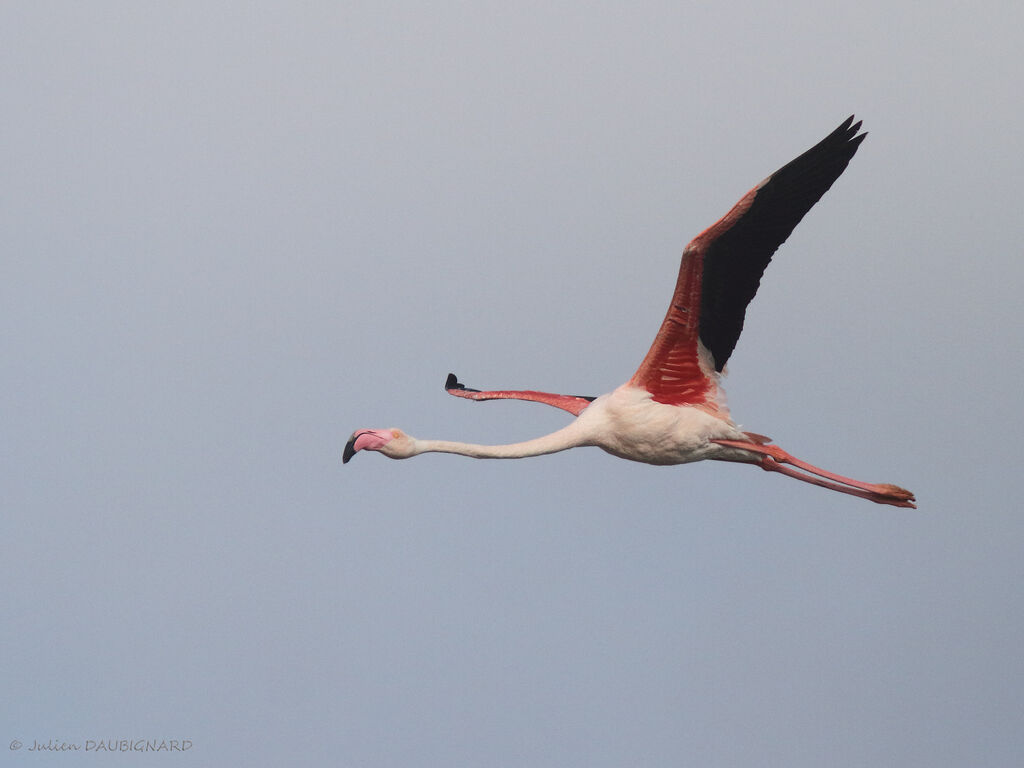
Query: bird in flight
[672,411]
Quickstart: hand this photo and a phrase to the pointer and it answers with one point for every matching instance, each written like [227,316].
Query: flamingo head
[393,443]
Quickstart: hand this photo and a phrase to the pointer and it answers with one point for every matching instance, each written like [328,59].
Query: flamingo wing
[721,269]
[574,404]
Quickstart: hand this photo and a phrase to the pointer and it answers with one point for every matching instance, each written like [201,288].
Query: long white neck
[565,438]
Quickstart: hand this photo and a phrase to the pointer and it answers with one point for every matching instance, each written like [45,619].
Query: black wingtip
[350,450]
[452,382]
[736,259]
[851,130]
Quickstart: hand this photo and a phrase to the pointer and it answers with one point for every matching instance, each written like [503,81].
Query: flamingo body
[629,423]
[672,410]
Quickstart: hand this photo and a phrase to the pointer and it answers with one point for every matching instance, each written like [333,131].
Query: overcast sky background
[232,233]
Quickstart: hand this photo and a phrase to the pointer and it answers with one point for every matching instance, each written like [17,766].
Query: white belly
[629,424]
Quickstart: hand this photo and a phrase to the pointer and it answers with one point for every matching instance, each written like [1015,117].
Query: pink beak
[374,439]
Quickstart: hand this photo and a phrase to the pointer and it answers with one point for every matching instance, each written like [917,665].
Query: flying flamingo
[673,411]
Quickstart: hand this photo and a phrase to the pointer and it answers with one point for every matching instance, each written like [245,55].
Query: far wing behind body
[574,404]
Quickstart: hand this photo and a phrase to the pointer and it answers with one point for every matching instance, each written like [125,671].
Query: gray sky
[234,232]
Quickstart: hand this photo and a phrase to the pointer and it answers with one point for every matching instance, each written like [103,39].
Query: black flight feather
[735,261]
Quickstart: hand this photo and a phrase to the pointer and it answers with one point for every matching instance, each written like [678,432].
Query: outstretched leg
[773,457]
[574,404]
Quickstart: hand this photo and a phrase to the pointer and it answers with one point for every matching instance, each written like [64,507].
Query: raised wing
[722,267]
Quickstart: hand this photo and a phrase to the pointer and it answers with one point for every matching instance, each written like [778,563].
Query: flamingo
[672,411]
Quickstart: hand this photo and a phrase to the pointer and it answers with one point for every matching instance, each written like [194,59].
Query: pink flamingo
[673,411]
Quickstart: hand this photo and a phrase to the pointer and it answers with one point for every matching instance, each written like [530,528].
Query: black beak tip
[350,450]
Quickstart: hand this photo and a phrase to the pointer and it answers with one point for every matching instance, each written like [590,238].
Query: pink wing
[721,270]
[574,404]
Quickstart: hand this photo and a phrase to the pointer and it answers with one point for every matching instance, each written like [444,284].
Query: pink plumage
[671,411]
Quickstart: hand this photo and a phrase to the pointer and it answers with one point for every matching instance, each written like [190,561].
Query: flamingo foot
[773,458]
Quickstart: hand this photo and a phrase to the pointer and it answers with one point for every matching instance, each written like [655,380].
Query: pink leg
[572,403]
[769,464]
[772,458]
